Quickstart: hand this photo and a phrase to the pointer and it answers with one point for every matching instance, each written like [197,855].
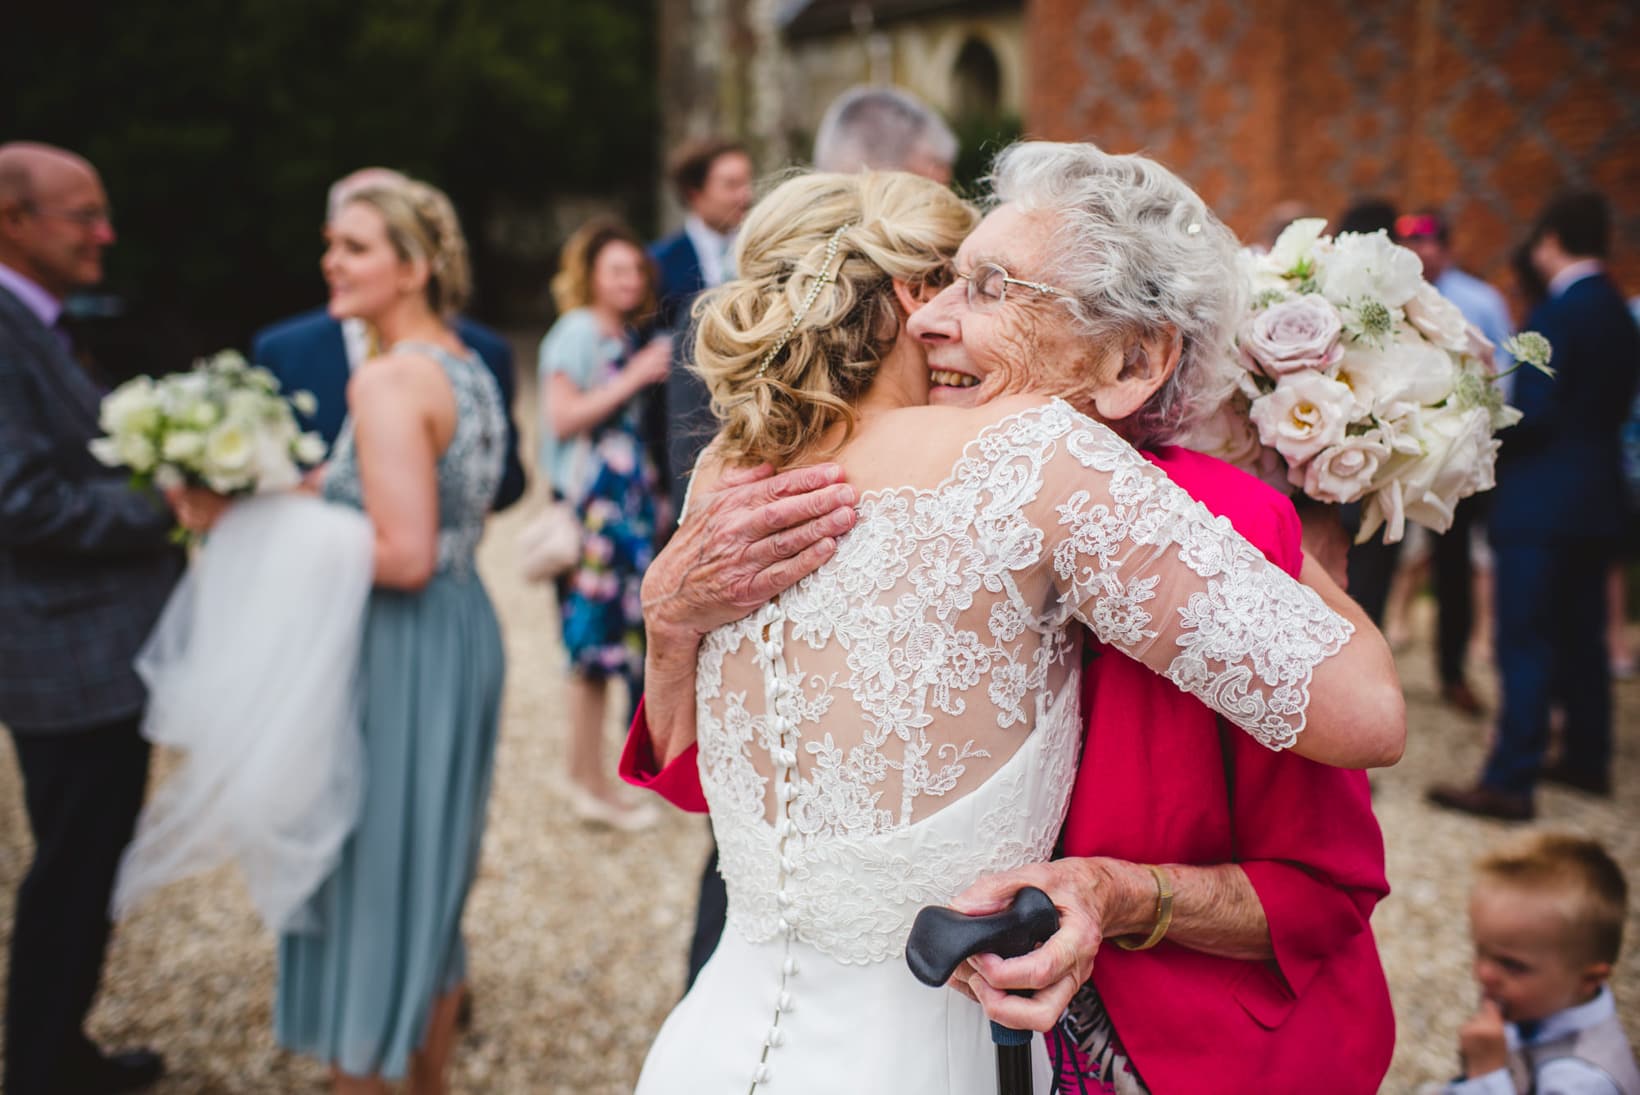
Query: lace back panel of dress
[905,718]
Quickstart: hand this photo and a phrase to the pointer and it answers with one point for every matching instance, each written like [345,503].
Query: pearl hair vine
[827,274]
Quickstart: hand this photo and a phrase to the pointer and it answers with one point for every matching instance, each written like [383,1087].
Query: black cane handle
[941,938]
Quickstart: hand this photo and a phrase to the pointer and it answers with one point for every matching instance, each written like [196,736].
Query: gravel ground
[576,936]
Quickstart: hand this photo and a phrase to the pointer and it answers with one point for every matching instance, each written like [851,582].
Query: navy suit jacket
[86,562]
[309,353]
[1560,468]
[689,421]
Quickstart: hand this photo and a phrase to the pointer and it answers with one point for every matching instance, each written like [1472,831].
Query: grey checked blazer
[85,562]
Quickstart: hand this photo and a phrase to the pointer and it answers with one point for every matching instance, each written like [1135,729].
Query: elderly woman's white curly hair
[1142,254]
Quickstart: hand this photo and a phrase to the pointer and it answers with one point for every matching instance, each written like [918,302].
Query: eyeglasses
[88,218]
[988,286]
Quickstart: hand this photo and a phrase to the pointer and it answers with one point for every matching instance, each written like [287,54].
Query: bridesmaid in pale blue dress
[374,989]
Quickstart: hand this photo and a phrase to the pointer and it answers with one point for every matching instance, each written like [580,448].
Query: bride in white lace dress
[905,719]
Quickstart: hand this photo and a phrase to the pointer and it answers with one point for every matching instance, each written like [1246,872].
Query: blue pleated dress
[357,991]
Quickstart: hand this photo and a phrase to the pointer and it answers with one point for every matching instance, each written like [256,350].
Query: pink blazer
[1163,781]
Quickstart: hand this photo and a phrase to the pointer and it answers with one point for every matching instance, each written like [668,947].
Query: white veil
[252,672]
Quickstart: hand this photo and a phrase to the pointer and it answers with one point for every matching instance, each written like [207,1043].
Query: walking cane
[941,938]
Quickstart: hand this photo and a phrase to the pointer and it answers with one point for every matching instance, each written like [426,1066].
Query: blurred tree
[219,126]
[980,136]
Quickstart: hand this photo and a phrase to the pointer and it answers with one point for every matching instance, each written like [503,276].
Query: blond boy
[1546,915]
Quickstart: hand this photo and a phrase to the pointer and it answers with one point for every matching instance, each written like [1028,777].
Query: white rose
[310,448]
[229,451]
[1438,319]
[246,405]
[1383,508]
[1345,471]
[1301,333]
[1409,372]
[1481,348]
[305,403]
[1305,414]
[107,452]
[200,413]
[1259,274]
[1458,460]
[133,407]
[136,452]
[275,470]
[1296,243]
[182,446]
[1369,267]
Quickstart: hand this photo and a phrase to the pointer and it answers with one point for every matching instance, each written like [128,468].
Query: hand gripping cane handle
[941,938]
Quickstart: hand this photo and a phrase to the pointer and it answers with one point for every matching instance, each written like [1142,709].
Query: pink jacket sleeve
[678,782]
[1304,834]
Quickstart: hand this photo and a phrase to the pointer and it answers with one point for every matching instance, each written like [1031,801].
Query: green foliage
[981,137]
[219,127]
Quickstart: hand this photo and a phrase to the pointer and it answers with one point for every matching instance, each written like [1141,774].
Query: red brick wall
[1483,109]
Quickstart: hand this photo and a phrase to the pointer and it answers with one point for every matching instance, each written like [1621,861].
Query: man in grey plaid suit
[85,567]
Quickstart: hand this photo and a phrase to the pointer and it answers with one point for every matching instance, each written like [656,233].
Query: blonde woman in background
[593,378]
[375,990]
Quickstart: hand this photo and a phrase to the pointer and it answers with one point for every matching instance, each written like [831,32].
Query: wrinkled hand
[1482,1041]
[1083,890]
[196,508]
[750,538]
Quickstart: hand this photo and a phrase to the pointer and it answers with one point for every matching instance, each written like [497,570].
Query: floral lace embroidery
[904,719]
[469,471]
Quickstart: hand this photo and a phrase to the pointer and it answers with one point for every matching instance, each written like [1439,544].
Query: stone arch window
[976,81]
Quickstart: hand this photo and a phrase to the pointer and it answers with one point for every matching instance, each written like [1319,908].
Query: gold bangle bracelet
[1164,912]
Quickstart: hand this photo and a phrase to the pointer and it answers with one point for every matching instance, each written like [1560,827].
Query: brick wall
[1482,109]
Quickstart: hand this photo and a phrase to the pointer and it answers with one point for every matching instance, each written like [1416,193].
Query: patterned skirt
[599,599]
[1087,1055]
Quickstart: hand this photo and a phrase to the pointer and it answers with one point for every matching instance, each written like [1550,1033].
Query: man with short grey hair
[884,129]
[86,565]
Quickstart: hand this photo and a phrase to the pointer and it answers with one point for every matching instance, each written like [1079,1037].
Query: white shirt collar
[712,247]
[35,297]
[1573,1020]
[1576,272]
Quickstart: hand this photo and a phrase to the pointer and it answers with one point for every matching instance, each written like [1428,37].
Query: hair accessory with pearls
[826,275]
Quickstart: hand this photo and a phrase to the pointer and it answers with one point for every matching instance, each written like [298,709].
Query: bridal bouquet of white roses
[223,424]
[1357,381]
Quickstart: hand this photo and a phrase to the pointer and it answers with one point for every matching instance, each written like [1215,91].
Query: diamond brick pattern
[1480,108]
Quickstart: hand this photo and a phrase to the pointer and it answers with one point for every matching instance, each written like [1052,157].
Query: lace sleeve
[1152,573]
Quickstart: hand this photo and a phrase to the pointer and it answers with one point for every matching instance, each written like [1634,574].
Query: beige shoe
[593,810]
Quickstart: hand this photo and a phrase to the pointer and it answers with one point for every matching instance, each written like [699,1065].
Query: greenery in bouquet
[222,425]
[1356,381]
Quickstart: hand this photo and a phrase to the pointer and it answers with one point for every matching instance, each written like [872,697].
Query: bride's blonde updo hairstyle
[422,224]
[777,400]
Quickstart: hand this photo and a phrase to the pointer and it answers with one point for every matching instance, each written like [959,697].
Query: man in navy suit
[85,568]
[1556,515]
[713,180]
[316,353]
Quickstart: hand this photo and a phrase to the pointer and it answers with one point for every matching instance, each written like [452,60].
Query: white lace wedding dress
[905,720]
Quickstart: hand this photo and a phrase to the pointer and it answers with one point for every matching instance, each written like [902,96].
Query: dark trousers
[82,790]
[1371,568]
[1454,593]
[1551,648]
[710,916]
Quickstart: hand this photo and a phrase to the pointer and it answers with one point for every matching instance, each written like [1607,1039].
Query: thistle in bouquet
[222,426]
[1356,381]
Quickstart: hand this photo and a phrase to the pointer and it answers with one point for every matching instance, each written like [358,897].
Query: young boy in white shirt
[1546,915]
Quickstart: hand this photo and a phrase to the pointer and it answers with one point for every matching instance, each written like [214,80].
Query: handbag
[550,543]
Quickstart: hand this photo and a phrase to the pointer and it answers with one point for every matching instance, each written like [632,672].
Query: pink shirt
[45,306]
